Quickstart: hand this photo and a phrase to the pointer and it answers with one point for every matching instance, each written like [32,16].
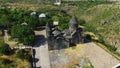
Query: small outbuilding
[33,13]
[56,23]
[42,15]
[24,23]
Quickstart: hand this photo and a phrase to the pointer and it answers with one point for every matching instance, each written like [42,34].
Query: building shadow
[39,28]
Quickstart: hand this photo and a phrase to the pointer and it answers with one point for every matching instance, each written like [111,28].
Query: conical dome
[73,24]
[73,20]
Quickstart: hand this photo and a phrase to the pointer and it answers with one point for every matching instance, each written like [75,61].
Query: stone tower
[48,30]
[73,24]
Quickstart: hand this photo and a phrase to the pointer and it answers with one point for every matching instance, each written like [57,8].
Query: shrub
[6,61]
[81,22]
[110,47]
[28,57]
[4,48]
[20,54]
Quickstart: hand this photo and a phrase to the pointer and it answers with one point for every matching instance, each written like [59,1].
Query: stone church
[58,39]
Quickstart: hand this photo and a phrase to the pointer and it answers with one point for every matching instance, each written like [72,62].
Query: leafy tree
[24,34]
[4,48]
[63,22]
[4,21]
[32,21]
[42,22]
[55,18]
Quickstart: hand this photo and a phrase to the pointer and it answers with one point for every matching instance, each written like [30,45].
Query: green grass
[96,14]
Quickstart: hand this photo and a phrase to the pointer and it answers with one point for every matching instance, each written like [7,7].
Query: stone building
[58,39]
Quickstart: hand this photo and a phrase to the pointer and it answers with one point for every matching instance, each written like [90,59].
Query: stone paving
[41,50]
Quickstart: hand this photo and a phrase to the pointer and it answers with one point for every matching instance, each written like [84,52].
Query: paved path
[41,50]
[99,57]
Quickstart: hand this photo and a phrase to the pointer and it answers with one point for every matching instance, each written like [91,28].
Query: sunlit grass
[20,63]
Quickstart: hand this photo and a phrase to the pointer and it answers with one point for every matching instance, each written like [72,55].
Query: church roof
[56,32]
[67,33]
[73,20]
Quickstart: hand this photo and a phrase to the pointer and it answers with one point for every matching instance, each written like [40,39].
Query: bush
[55,18]
[20,54]
[28,57]
[110,47]
[4,48]
[6,61]
[81,22]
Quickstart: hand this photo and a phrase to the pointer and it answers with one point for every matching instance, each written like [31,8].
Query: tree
[4,48]
[4,21]
[33,21]
[55,18]
[23,33]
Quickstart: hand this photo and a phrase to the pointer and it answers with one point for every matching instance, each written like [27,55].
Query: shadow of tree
[40,40]
[87,39]
[34,60]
